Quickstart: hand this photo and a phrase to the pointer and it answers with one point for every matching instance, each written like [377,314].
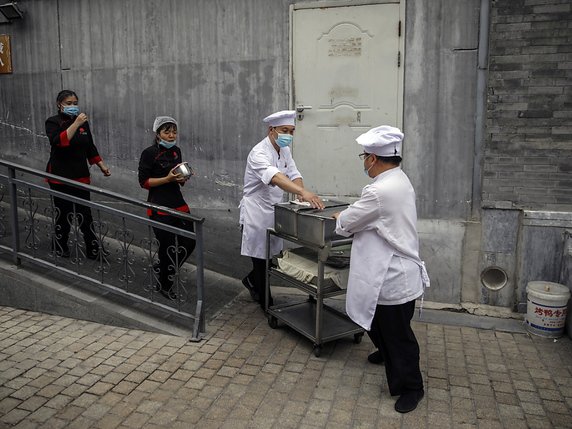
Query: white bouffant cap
[384,140]
[162,120]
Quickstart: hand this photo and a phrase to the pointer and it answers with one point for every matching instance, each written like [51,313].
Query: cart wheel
[317,350]
[272,322]
[358,337]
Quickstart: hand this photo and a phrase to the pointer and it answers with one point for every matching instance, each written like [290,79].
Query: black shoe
[169,294]
[376,358]
[408,401]
[253,294]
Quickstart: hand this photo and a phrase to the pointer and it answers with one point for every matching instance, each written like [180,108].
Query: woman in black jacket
[156,174]
[72,149]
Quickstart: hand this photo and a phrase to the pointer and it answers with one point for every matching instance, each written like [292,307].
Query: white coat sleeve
[292,171]
[360,216]
[261,166]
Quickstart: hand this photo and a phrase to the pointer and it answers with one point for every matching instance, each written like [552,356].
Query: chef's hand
[312,198]
[336,215]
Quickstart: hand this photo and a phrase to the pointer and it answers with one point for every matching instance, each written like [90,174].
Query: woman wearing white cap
[270,170]
[386,274]
[156,174]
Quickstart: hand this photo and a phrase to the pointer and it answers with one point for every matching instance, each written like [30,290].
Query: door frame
[327,4]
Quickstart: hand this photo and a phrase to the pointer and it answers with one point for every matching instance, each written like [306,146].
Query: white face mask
[366,170]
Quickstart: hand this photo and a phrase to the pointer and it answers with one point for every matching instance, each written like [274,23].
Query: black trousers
[173,248]
[65,210]
[257,277]
[391,333]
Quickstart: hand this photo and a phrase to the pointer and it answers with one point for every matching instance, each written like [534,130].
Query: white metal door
[345,66]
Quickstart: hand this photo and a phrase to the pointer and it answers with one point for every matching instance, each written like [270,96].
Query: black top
[70,158]
[155,162]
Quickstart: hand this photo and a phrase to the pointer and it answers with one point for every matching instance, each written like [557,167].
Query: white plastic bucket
[546,308]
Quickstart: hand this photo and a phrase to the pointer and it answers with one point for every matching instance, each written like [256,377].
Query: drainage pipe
[480,110]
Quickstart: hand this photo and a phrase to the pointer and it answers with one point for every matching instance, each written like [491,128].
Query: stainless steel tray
[307,224]
[318,227]
[285,215]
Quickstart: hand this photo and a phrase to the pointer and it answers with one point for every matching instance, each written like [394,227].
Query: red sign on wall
[5,54]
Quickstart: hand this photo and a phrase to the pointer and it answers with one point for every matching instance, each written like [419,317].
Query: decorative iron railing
[123,255]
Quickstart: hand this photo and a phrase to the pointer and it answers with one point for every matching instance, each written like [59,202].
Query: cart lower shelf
[301,317]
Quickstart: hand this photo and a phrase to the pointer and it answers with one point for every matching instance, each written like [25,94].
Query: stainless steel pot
[184,169]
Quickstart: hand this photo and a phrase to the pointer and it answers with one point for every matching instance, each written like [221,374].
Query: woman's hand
[104,169]
[80,120]
[172,177]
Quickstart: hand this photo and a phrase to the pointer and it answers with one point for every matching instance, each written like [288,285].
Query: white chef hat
[384,140]
[284,117]
[161,120]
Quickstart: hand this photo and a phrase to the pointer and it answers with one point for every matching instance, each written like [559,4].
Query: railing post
[14,214]
[199,327]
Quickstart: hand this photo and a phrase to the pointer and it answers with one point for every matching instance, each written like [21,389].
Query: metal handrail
[100,191]
[14,183]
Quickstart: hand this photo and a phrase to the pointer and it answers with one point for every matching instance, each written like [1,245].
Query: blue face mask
[284,140]
[167,145]
[71,110]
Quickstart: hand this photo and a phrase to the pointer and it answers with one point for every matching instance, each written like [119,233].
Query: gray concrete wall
[440,83]
[499,248]
[543,250]
[439,125]
[566,276]
[219,66]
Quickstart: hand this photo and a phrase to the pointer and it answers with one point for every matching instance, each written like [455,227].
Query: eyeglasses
[364,155]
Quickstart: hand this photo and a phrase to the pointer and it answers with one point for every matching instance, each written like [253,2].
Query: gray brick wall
[528,149]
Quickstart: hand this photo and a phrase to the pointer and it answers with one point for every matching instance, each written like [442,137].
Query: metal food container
[318,227]
[308,224]
[183,168]
[285,215]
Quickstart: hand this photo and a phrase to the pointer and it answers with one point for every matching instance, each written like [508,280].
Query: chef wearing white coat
[270,170]
[386,275]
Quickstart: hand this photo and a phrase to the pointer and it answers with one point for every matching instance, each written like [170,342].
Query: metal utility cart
[311,229]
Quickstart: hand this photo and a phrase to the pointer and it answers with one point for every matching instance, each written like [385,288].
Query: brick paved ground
[63,373]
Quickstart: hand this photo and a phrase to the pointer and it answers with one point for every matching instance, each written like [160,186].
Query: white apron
[383,222]
[259,197]
[257,217]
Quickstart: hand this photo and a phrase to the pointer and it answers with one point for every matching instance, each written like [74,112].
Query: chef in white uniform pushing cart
[270,171]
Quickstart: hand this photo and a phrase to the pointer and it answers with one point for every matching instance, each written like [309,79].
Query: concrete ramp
[49,291]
